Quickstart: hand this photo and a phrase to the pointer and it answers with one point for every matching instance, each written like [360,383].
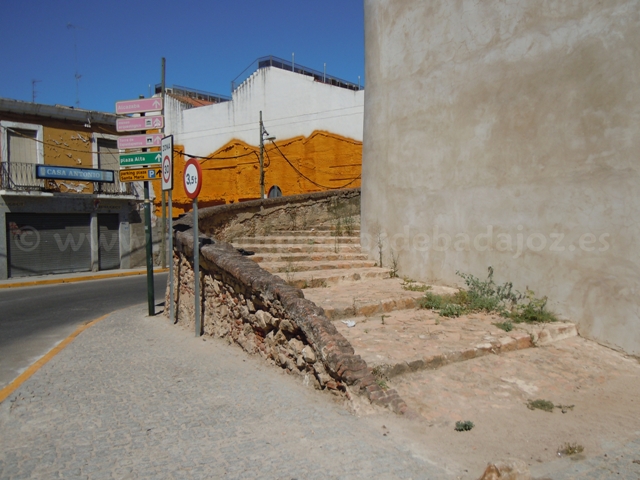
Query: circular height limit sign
[192,178]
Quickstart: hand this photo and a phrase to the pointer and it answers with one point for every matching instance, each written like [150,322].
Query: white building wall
[292,105]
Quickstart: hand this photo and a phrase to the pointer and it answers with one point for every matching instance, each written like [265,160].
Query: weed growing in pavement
[413,286]
[570,449]
[393,273]
[464,426]
[487,296]
[382,384]
[506,326]
[539,404]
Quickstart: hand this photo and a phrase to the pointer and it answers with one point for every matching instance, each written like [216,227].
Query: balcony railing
[17,176]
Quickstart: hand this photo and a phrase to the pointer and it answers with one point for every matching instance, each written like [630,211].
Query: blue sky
[206,44]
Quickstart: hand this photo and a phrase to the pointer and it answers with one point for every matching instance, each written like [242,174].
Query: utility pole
[261,157]
[163,244]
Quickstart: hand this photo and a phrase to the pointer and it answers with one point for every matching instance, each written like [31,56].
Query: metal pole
[163,242]
[261,157]
[171,288]
[196,266]
[293,62]
[147,238]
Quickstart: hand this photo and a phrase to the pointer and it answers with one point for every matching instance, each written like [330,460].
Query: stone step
[327,278]
[300,240]
[406,341]
[294,267]
[376,296]
[354,232]
[307,257]
[299,248]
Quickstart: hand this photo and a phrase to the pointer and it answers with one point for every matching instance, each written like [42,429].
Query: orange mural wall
[319,162]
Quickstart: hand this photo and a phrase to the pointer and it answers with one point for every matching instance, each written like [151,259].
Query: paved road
[34,319]
[135,397]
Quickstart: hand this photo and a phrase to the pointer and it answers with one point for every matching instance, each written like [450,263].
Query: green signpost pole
[147,238]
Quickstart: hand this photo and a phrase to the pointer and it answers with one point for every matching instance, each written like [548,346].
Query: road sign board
[138,159]
[73,173]
[140,174]
[140,141]
[139,106]
[192,178]
[167,163]
[131,124]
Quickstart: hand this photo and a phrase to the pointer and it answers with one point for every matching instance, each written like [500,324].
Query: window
[275,192]
[108,158]
[21,143]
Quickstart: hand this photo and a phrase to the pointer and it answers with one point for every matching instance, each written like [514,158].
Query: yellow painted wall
[68,148]
[232,173]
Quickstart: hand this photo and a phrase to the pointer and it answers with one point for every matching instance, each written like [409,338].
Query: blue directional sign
[72,173]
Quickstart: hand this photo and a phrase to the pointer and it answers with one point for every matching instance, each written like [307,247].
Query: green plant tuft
[464,426]
[487,296]
[539,404]
[570,449]
[506,326]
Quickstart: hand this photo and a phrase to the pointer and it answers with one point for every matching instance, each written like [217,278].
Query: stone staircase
[318,257]
[377,313]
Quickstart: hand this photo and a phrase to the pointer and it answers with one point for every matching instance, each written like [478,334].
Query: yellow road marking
[54,281]
[24,376]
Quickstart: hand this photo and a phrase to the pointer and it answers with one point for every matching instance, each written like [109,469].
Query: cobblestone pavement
[135,397]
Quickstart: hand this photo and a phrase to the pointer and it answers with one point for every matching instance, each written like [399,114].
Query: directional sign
[140,174]
[140,141]
[139,106]
[137,159]
[192,178]
[131,124]
[167,163]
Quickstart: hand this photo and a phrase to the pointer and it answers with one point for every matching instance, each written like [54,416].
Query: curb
[84,278]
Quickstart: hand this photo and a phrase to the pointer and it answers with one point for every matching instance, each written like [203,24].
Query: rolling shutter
[40,244]
[109,241]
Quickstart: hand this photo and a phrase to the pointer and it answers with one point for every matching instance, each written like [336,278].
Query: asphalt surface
[35,319]
[136,397]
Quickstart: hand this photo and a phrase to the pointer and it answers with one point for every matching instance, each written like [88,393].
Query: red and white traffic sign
[192,178]
[167,163]
[140,141]
[130,124]
[139,106]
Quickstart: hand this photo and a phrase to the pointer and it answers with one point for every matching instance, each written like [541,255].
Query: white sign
[167,163]
[192,178]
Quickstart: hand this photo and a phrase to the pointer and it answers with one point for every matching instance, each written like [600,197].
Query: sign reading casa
[73,173]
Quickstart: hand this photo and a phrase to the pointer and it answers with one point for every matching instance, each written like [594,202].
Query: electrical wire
[308,179]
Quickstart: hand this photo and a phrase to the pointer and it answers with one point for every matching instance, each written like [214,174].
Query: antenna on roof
[33,89]
[75,49]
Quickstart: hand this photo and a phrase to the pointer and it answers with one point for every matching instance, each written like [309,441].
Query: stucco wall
[508,134]
[318,128]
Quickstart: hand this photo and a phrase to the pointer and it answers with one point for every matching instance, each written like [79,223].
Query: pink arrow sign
[139,106]
[140,141]
[131,124]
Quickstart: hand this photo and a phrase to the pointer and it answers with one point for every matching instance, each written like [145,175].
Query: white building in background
[316,119]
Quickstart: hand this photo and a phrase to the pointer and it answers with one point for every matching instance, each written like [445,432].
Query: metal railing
[193,93]
[271,61]
[19,176]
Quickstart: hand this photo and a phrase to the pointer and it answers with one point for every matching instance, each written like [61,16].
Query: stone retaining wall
[249,306]
[296,212]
